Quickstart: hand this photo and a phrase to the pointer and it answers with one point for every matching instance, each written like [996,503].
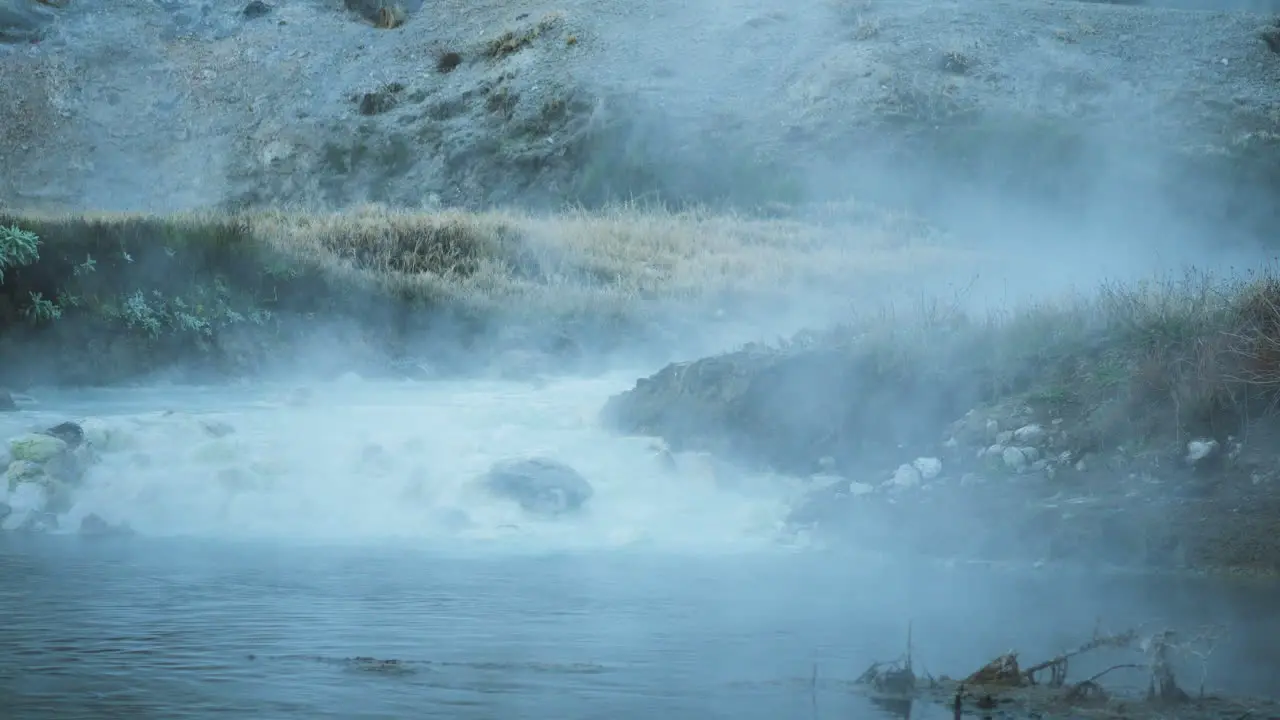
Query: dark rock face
[6,401]
[787,409]
[255,9]
[539,485]
[69,433]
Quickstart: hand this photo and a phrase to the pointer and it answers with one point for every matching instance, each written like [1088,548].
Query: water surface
[678,596]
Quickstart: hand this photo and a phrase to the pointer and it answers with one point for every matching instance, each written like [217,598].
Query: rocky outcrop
[6,401]
[540,486]
[43,470]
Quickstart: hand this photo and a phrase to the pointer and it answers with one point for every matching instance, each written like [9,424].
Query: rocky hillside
[174,104]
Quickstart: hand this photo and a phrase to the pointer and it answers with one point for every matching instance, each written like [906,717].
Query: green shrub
[18,247]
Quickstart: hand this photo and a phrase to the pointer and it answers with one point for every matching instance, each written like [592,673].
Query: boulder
[6,402]
[93,525]
[539,485]
[36,447]
[68,432]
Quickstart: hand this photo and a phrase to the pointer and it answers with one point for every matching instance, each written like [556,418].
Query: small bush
[18,247]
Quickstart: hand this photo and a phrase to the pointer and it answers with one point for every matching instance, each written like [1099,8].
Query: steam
[358,461]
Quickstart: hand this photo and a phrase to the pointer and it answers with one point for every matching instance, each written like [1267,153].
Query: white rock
[905,476]
[1014,459]
[1030,434]
[929,468]
[991,450]
[1030,453]
[1198,450]
[860,488]
[1004,438]
[993,428]
[951,443]
[827,463]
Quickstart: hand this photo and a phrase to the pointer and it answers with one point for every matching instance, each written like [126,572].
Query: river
[272,552]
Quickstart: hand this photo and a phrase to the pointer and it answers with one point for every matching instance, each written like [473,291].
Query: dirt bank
[1135,428]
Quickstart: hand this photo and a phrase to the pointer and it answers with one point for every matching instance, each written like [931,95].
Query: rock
[1004,438]
[375,459]
[216,428]
[6,402]
[379,101]
[255,10]
[69,467]
[36,447]
[539,485]
[21,471]
[68,432]
[5,511]
[35,491]
[1015,459]
[860,488]
[929,468]
[1200,450]
[905,476]
[1030,434]
[93,525]
[666,459]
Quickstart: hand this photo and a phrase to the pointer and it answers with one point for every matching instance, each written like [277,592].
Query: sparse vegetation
[447,61]
[1152,362]
[511,42]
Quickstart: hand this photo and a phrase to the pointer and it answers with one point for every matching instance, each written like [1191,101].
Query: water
[678,597]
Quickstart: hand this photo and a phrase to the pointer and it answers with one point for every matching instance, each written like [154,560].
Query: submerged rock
[6,402]
[539,485]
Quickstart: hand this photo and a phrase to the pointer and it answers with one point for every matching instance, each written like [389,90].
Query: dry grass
[1195,355]
[575,263]
[513,41]
[612,260]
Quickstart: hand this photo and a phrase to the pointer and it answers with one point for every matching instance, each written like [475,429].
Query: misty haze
[715,359]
